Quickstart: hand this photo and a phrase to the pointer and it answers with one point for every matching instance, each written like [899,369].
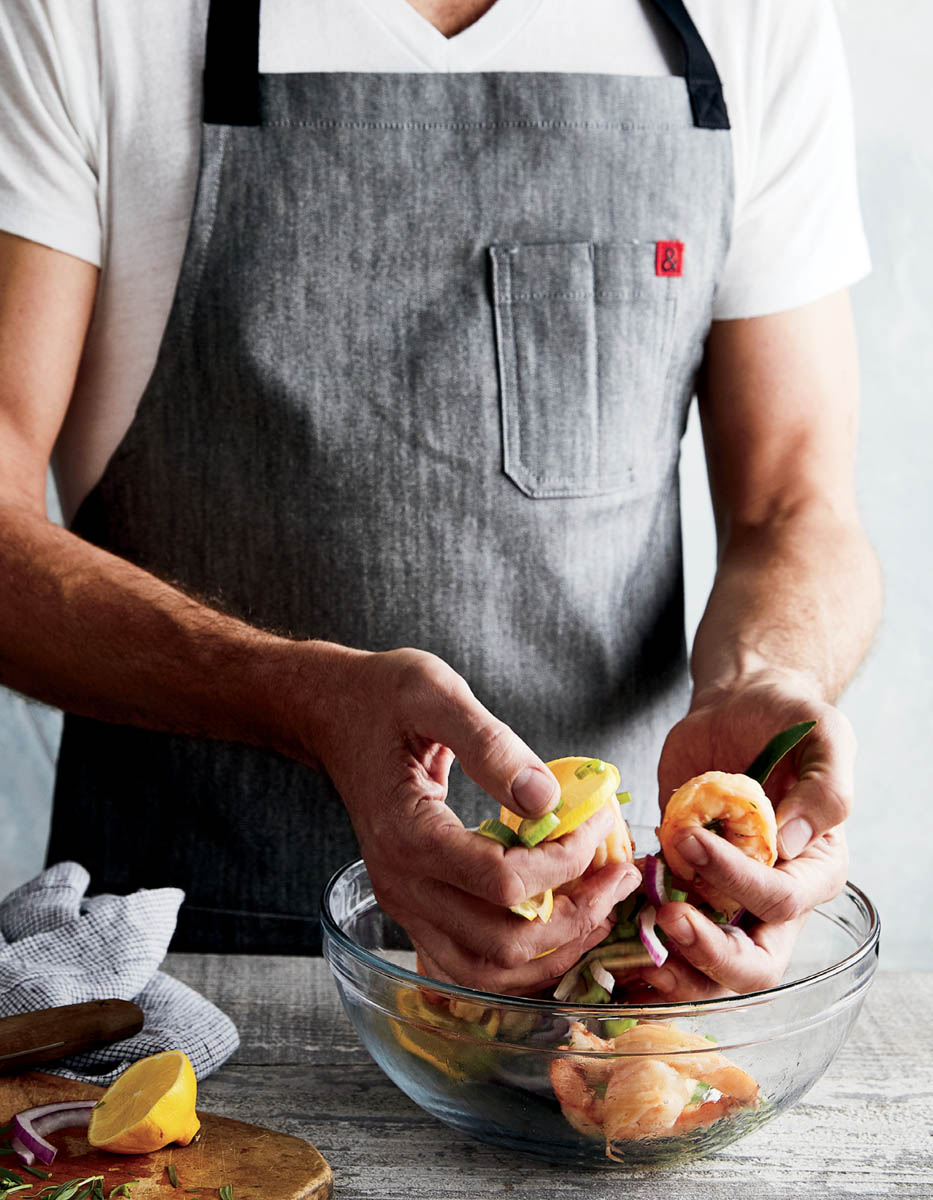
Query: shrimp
[580,1090]
[690,1055]
[644,1099]
[650,1091]
[579,1082]
[736,807]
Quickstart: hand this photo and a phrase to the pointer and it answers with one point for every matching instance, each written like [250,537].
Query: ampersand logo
[669,259]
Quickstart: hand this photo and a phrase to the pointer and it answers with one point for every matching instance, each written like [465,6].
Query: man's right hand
[387,736]
[96,635]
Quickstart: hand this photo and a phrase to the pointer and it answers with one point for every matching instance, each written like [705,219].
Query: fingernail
[681,932]
[693,851]
[794,836]
[534,791]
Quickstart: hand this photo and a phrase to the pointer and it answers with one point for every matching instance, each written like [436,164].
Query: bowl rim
[668,1008]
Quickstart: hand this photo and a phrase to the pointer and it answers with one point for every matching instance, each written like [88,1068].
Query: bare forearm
[90,633]
[800,593]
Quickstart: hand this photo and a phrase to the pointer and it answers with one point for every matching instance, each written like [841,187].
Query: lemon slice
[450,1044]
[585,786]
[540,906]
[150,1105]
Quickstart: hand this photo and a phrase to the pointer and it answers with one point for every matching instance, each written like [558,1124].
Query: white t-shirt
[100,137]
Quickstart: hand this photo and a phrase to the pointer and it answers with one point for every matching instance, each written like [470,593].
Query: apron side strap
[231,63]
[703,83]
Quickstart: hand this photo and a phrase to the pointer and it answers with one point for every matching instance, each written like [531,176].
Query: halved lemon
[150,1105]
[585,786]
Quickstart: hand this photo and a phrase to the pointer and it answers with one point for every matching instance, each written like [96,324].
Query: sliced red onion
[655,886]
[734,920]
[27,1137]
[649,937]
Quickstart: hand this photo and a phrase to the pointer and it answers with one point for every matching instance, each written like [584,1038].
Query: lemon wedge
[150,1105]
[540,906]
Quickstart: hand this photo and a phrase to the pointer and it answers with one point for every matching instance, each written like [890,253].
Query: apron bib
[423,383]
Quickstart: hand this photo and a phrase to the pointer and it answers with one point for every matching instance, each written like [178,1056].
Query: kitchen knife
[51,1033]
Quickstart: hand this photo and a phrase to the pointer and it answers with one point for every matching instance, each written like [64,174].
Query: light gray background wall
[891,700]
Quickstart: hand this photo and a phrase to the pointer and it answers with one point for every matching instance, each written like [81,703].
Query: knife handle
[50,1033]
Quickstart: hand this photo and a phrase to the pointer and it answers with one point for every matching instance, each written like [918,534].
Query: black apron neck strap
[231,65]
[704,86]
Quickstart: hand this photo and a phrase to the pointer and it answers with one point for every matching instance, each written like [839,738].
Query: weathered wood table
[865,1129]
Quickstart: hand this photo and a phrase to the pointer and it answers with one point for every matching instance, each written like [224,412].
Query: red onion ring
[649,937]
[27,1137]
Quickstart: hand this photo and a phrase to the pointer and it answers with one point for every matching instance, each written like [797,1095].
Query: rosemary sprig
[91,1188]
[172,1175]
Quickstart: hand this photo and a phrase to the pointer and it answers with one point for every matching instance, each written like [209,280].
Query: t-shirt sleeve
[49,67]
[797,233]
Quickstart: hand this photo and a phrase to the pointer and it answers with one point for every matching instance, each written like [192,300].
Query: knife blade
[27,1039]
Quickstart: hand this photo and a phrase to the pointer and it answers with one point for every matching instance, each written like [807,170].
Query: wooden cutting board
[257,1163]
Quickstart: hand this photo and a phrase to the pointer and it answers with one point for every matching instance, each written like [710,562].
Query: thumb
[492,754]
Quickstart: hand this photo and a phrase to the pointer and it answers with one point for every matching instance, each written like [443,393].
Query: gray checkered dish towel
[59,947]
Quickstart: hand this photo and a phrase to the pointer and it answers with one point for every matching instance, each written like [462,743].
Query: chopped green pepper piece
[617,1025]
[595,993]
[535,829]
[625,930]
[677,896]
[624,797]
[594,766]
[498,831]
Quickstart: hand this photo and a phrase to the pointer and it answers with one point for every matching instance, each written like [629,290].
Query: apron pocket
[583,335]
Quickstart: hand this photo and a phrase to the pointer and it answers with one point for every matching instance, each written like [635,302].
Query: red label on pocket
[669,259]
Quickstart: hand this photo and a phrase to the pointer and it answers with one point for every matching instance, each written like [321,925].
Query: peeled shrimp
[736,807]
[644,1099]
[580,1087]
[649,1092]
[690,1055]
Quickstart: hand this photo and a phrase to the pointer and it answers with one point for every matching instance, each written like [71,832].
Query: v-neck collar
[465,51]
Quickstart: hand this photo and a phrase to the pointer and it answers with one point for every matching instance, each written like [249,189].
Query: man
[434,334]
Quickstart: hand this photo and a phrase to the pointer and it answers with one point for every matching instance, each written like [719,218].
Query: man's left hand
[811,789]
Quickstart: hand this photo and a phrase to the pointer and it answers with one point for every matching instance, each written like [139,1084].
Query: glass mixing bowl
[599,1084]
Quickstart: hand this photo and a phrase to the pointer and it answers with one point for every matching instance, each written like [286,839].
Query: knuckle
[502,886]
[782,902]
[785,906]
[420,675]
[575,859]
[507,953]
[837,804]
[489,740]
[714,961]
[764,978]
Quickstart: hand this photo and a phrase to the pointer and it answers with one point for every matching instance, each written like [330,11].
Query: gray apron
[423,383]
